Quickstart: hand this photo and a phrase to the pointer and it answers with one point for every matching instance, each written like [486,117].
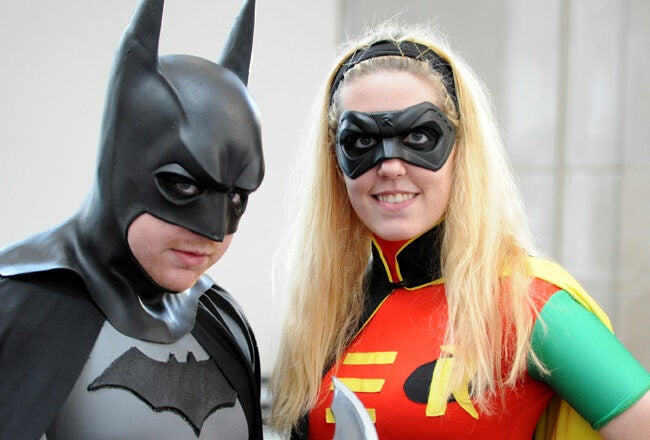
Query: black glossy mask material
[197,131]
[420,135]
[180,141]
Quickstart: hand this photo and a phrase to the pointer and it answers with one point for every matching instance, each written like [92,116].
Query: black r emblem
[387,120]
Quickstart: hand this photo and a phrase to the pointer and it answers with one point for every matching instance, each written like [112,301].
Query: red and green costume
[396,359]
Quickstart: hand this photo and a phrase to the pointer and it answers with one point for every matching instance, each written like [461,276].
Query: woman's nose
[391,168]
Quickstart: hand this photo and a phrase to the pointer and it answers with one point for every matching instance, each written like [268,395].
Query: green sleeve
[589,367]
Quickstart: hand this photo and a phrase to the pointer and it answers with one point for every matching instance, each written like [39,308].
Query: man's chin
[178,283]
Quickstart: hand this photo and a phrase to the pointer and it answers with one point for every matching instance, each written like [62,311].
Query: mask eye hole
[357,144]
[178,186]
[238,200]
[421,139]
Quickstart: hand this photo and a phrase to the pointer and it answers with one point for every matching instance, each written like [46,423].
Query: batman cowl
[168,122]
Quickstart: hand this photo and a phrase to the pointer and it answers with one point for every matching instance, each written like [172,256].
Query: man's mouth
[190,259]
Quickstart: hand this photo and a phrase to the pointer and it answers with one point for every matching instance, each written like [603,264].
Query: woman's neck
[411,262]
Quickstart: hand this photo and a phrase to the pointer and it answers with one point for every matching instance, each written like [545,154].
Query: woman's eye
[358,144]
[419,140]
[364,142]
[416,137]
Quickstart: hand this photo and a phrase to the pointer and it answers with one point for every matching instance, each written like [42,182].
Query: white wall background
[569,77]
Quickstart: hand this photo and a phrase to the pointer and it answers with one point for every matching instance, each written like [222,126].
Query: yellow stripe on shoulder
[555,274]
[560,421]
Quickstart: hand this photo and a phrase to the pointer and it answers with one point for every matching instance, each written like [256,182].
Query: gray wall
[571,85]
[567,76]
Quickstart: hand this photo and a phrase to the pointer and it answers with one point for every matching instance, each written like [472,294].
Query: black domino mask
[421,135]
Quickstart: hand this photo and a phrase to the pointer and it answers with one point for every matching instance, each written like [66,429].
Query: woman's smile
[395,199]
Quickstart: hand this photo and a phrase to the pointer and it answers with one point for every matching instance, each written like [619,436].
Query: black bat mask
[421,135]
[180,138]
[180,141]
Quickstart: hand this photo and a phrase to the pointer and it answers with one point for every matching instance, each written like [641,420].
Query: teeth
[395,198]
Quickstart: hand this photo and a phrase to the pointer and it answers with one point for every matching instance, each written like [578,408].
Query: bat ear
[236,55]
[139,45]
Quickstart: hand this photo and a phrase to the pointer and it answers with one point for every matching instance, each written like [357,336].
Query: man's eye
[178,188]
[420,140]
[186,189]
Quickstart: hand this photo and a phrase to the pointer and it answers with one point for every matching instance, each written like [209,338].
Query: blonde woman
[414,283]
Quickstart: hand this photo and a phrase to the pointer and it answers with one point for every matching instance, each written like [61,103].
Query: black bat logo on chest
[192,389]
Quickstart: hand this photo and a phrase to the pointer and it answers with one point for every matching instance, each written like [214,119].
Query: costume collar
[127,297]
[410,264]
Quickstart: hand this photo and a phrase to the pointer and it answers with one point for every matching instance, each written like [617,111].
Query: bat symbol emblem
[192,389]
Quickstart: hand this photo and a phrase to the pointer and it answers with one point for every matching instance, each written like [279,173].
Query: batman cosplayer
[91,346]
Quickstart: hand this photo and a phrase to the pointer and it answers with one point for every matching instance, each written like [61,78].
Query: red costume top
[397,357]
[390,366]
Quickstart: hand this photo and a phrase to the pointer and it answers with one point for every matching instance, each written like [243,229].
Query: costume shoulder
[223,330]
[224,309]
[47,328]
[41,252]
[555,274]
[560,421]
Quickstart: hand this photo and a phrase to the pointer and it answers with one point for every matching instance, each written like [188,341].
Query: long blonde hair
[486,233]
